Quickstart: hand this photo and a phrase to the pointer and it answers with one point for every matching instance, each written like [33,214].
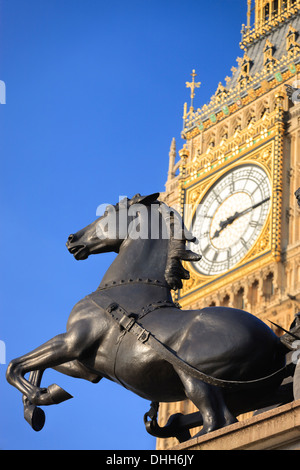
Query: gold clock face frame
[230,218]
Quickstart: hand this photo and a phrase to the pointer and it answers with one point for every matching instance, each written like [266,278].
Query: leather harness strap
[128,323]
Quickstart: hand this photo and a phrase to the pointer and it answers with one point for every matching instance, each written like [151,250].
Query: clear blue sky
[95,94]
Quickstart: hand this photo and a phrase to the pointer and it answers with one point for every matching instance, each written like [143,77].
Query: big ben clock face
[230,218]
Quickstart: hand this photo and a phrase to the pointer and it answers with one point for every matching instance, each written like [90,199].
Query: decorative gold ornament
[192,85]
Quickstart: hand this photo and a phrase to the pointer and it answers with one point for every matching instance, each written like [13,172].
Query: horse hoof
[35,417]
[58,394]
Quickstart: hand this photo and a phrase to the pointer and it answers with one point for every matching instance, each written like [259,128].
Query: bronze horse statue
[225,360]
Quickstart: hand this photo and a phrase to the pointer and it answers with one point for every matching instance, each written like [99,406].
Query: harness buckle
[143,336]
[126,322]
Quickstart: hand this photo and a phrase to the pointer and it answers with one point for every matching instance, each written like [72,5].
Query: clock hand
[240,214]
[232,218]
[228,221]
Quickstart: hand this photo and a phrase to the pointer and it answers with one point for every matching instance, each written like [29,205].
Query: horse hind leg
[210,403]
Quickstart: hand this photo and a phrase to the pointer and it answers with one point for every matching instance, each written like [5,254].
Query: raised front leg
[50,354]
[59,350]
[34,415]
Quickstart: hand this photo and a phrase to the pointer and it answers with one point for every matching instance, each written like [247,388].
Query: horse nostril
[71,238]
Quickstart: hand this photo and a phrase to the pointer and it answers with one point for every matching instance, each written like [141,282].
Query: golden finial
[249,15]
[192,85]
[184,153]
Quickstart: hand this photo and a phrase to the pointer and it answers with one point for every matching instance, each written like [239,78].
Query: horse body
[225,343]
[256,349]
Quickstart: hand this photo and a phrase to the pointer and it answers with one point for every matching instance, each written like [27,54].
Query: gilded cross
[192,85]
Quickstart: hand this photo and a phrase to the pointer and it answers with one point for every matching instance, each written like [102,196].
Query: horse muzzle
[78,250]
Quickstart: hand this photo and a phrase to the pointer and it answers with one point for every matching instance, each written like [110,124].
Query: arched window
[275,8]
[267,12]
[239,299]
[225,301]
[269,286]
[254,293]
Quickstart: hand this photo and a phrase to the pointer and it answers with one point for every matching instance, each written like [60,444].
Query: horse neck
[136,277]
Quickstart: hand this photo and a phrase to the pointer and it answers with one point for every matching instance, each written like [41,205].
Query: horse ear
[146,200]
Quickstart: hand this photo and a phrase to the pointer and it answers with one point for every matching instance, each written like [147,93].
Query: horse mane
[178,236]
[177,252]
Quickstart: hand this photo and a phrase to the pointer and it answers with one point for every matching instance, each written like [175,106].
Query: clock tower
[235,177]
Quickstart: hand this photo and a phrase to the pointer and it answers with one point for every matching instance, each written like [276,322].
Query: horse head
[107,233]
[144,218]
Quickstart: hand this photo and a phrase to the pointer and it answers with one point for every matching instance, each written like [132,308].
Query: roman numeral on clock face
[245,245]
[253,223]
